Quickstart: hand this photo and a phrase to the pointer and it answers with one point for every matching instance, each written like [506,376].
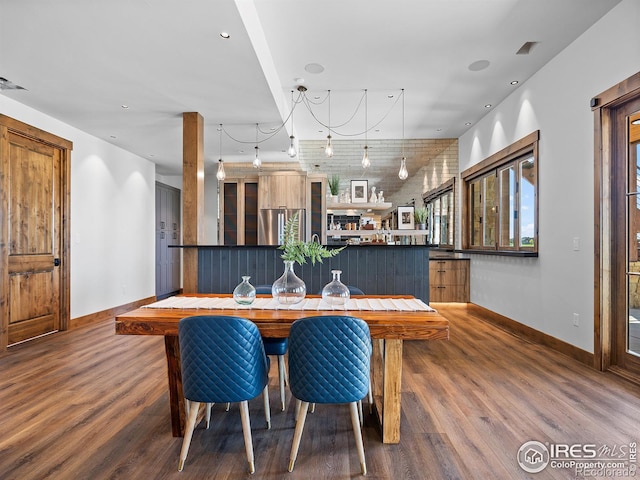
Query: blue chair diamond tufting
[329,362]
[222,360]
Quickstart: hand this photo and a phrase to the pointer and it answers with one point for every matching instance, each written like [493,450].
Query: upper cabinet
[282,190]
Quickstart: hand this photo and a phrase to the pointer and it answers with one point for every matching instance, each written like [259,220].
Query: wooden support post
[192,196]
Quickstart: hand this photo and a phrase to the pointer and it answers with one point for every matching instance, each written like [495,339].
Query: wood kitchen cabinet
[449,280]
[282,189]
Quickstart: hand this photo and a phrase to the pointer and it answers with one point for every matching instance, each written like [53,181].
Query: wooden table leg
[386,384]
[174,373]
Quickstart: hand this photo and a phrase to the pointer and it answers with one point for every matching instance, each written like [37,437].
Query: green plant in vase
[420,215]
[290,289]
[298,251]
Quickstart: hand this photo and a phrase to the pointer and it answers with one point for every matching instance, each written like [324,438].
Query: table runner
[353,304]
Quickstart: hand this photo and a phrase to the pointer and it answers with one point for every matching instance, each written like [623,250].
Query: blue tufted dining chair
[277,347]
[353,290]
[329,361]
[222,360]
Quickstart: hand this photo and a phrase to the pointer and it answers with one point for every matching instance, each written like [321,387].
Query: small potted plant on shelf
[420,216]
[334,188]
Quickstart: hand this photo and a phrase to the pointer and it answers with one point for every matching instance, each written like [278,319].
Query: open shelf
[366,233]
[358,206]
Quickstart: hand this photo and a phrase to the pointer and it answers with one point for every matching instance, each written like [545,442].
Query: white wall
[544,292]
[112,217]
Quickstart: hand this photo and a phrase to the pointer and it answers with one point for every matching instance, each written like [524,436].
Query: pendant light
[403,174]
[292,146]
[328,151]
[365,158]
[221,175]
[257,163]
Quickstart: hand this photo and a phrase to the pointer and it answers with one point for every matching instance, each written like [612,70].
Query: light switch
[576,243]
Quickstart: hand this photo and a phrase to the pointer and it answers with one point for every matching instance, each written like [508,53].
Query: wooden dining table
[389,328]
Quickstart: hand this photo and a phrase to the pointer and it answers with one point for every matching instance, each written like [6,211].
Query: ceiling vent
[526,48]
[8,85]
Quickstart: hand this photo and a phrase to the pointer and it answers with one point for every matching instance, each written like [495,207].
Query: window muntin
[440,205]
[527,199]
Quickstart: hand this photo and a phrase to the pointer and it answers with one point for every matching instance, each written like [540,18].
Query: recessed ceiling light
[240,151]
[126,107]
[225,35]
[438,129]
[377,129]
[468,123]
[317,97]
[152,155]
[488,105]
[314,68]
[390,96]
[112,136]
[514,82]
[320,131]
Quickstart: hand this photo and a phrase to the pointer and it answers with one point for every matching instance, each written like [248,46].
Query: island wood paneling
[377,270]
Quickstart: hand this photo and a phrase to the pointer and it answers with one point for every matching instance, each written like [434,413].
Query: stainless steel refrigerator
[271,222]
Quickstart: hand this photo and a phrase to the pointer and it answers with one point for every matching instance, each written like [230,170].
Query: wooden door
[33,172]
[626,238]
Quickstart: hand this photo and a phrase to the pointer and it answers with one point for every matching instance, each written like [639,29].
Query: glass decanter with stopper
[336,293]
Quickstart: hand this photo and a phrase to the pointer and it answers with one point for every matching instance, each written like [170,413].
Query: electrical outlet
[576,320]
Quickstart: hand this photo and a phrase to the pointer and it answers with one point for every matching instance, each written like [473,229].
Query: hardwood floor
[87,404]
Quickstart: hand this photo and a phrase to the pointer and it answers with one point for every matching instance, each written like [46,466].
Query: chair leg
[313,408]
[267,409]
[295,419]
[358,436]
[246,431]
[208,416]
[228,406]
[281,377]
[188,431]
[360,414]
[297,435]
[370,395]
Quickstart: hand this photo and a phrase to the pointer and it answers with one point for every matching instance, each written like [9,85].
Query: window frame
[513,156]
[435,196]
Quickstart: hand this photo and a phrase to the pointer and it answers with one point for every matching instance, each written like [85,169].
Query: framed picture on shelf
[405,218]
[359,191]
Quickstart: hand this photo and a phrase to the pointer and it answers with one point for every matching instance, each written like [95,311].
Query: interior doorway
[34,211]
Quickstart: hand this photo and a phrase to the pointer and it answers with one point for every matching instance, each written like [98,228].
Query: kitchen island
[375,269]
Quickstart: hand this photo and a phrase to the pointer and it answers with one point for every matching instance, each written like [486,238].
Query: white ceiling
[80,61]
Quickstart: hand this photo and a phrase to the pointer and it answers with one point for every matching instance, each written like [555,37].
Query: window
[501,200]
[441,209]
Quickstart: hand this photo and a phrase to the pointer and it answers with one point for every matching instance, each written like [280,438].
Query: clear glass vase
[244,293]
[289,288]
[336,293]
